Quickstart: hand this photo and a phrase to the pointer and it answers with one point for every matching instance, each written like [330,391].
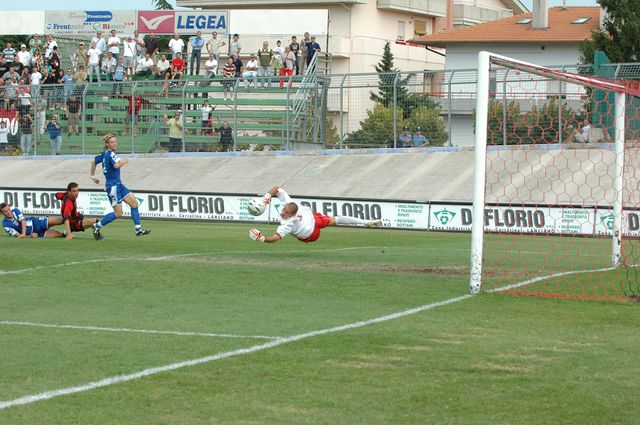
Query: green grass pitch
[203,289]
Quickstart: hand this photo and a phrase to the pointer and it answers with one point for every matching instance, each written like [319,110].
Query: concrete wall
[580,176]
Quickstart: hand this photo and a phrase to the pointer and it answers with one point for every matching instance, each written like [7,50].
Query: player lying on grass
[73,220]
[116,190]
[19,226]
[300,222]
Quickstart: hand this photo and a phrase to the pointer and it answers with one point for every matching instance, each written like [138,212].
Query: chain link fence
[369,110]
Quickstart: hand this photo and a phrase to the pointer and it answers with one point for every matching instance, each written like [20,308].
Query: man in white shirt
[145,65]
[114,43]
[251,71]
[300,222]
[109,66]
[163,65]
[51,43]
[93,55]
[176,44]
[211,66]
[24,57]
[36,77]
[101,45]
[205,114]
[128,55]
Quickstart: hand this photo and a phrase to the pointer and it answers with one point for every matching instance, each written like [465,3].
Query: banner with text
[77,22]
[398,215]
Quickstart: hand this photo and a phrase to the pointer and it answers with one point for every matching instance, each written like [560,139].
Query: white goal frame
[485,59]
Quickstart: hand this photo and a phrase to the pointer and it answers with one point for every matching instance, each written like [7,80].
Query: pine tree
[162,5]
[387,74]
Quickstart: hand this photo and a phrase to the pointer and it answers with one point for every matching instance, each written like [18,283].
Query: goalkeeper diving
[300,221]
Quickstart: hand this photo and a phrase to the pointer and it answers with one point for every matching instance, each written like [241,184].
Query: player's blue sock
[135,215]
[106,220]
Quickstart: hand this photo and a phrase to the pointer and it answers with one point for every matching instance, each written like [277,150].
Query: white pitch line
[142,331]
[259,347]
[219,356]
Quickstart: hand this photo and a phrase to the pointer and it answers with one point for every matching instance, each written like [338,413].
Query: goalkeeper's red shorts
[322,221]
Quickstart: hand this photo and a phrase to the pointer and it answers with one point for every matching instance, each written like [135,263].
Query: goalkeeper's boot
[96,233]
[374,223]
[142,232]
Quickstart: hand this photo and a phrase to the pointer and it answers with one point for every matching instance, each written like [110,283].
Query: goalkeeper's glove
[266,198]
[256,235]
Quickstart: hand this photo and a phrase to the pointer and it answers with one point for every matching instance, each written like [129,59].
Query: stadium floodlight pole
[395,109]
[183,115]
[477,230]
[616,243]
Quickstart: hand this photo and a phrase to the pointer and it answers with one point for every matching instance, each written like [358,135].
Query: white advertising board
[87,22]
[397,215]
[566,221]
[247,22]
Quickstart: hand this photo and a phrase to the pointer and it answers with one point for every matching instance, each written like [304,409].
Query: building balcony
[235,4]
[465,14]
[436,8]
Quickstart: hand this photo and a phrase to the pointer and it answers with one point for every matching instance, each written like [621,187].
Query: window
[400,30]
[419,27]
[524,21]
[581,21]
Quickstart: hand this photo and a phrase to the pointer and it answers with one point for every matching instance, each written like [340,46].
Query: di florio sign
[435,216]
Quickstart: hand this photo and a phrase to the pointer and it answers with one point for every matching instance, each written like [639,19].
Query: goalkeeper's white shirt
[301,225]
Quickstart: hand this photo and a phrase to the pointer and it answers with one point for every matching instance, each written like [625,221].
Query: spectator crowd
[34,78]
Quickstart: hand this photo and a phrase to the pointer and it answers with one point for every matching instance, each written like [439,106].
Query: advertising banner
[10,117]
[397,215]
[189,22]
[68,22]
[156,22]
[392,214]
[191,206]
[630,222]
[566,221]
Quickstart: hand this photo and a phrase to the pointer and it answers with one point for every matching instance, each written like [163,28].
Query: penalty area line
[128,330]
[219,356]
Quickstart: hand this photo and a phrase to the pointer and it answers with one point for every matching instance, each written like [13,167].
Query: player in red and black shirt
[73,220]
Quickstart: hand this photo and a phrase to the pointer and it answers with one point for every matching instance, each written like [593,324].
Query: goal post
[552,183]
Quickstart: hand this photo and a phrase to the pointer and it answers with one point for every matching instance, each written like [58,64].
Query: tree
[376,129]
[390,76]
[387,76]
[619,40]
[162,5]
[431,123]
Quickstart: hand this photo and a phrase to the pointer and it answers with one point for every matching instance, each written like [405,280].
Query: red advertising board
[156,22]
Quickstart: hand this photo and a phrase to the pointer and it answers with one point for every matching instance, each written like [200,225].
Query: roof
[507,30]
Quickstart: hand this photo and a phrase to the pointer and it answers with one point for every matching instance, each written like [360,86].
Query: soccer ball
[256,207]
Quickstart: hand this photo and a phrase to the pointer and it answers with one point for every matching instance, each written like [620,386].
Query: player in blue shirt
[116,191]
[19,226]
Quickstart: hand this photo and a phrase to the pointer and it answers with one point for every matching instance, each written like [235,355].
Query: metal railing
[329,110]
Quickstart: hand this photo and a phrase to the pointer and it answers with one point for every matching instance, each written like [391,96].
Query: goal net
[556,186]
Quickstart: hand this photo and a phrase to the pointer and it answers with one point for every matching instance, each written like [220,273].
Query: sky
[147,5]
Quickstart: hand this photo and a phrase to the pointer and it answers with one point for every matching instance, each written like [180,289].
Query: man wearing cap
[80,58]
[175,131]
[405,140]
[419,139]
[24,57]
